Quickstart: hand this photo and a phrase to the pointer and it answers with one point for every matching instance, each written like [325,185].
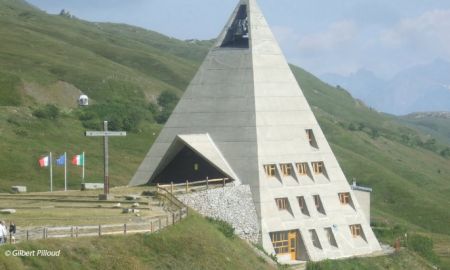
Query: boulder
[19,189]
[8,211]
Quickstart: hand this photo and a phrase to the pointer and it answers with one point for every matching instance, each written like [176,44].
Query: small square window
[319,205]
[356,230]
[344,198]
[303,207]
[282,203]
[286,169]
[315,239]
[270,170]
[318,167]
[302,168]
[330,237]
[311,138]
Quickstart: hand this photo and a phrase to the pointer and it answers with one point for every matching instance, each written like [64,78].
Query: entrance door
[293,244]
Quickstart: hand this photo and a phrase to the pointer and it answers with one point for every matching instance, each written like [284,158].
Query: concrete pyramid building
[245,117]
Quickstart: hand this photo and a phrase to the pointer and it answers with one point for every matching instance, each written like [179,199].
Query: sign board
[105,133]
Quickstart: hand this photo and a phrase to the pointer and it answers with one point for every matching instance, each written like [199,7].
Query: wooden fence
[99,230]
[186,186]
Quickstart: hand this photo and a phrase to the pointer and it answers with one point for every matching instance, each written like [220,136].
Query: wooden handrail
[217,180]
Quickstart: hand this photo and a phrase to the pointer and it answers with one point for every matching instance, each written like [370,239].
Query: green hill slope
[192,244]
[46,58]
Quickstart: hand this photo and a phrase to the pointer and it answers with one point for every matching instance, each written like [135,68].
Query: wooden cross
[105,134]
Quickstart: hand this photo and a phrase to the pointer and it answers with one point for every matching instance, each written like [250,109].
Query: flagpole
[65,171]
[84,162]
[51,172]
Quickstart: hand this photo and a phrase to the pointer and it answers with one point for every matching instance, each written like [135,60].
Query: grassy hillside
[192,244]
[124,68]
[437,124]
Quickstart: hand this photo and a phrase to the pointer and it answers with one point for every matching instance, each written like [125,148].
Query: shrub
[423,246]
[222,226]
[445,152]
[48,111]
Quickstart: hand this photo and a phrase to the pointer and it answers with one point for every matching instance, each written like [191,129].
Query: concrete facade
[246,104]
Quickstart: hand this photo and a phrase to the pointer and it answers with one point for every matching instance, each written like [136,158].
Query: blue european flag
[61,160]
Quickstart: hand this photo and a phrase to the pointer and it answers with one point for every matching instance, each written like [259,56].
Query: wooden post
[28,235]
[171,187]
[125,228]
[71,231]
[207,183]
[99,230]
[76,232]
[43,233]
[187,186]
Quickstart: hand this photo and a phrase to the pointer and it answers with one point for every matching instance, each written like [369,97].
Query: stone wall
[233,204]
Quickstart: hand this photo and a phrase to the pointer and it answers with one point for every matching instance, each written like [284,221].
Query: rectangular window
[280,242]
[311,138]
[330,237]
[303,207]
[270,170]
[319,205]
[356,230]
[344,198]
[318,167]
[302,168]
[286,169]
[315,239]
[282,203]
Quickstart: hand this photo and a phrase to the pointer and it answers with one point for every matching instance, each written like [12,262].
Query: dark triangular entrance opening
[188,165]
[237,34]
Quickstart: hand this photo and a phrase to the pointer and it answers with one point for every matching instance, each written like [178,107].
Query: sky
[322,36]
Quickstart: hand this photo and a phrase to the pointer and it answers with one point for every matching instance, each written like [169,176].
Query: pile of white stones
[233,204]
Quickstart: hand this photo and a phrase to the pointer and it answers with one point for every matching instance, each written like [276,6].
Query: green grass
[193,243]
[397,261]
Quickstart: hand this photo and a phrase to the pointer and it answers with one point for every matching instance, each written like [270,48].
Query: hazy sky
[384,36]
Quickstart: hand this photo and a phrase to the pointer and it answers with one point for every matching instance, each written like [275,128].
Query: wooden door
[293,244]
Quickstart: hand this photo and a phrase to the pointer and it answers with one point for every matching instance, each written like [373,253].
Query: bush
[222,226]
[119,116]
[445,152]
[167,101]
[423,246]
[48,111]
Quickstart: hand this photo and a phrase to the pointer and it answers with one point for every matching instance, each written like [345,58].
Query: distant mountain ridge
[421,88]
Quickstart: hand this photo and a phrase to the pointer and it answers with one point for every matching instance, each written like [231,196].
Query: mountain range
[423,88]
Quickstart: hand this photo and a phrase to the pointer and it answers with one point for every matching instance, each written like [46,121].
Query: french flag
[43,161]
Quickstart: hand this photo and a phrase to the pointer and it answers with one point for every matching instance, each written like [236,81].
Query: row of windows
[280,240]
[283,203]
[287,170]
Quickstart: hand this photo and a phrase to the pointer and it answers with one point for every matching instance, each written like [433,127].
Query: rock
[18,189]
[118,205]
[135,210]
[8,211]
[135,205]
[91,186]
[126,210]
[132,197]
